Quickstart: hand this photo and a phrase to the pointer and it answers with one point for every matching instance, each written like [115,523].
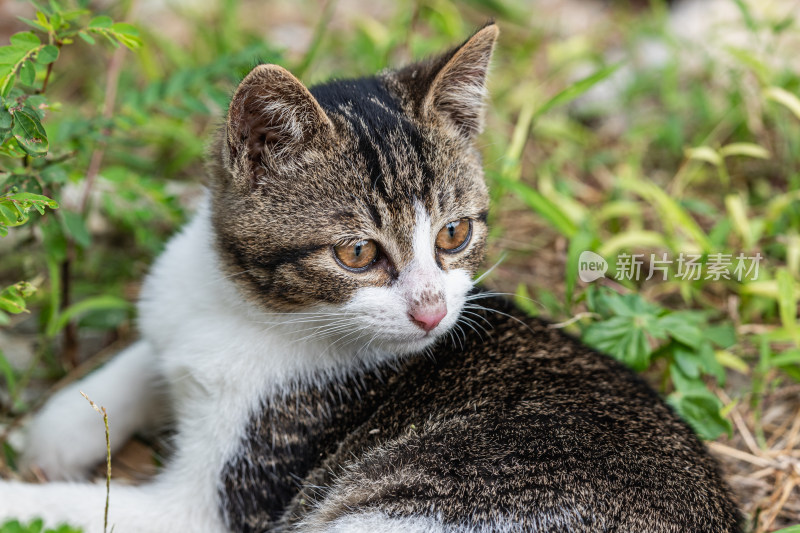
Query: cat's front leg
[184,497]
[65,439]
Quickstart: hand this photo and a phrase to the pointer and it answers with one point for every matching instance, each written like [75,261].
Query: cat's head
[362,198]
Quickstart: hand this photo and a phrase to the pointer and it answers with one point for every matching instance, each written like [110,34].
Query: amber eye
[454,236]
[356,256]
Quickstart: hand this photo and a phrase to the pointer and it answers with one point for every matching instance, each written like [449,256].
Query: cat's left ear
[453,86]
[272,118]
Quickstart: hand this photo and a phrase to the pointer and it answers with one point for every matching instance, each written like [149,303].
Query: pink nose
[428,317]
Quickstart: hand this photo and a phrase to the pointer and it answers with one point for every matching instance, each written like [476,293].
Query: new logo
[591,266]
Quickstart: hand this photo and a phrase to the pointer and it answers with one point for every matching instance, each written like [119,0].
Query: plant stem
[70,330]
[102,411]
[96,160]
[46,78]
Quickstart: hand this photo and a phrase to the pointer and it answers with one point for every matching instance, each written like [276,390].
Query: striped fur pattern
[518,428]
[308,396]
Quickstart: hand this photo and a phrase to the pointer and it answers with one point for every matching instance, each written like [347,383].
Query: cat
[329,363]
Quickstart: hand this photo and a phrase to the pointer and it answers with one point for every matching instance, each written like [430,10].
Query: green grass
[705,164]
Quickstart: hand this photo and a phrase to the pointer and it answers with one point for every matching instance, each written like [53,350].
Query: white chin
[404,347]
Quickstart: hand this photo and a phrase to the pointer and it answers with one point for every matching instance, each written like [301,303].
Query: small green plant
[33,169]
[37,526]
[640,334]
[12,302]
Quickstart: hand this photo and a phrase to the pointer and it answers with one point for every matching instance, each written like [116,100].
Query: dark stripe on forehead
[376,119]
[375,214]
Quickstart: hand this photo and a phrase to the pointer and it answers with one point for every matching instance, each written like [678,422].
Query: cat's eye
[454,236]
[357,256]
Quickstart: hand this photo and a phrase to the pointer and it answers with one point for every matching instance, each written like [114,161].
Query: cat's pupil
[451,229]
[357,250]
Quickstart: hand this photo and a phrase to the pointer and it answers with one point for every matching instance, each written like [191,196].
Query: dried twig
[579,316]
[102,411]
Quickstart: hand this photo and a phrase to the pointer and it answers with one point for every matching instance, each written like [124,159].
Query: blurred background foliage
[612,128]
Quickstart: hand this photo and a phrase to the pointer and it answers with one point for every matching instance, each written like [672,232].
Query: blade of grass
[541,205]
[576,89]
[672,214]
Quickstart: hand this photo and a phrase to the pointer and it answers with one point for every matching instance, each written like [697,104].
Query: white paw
[66,438]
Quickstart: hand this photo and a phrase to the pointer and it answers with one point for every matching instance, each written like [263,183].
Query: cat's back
[522,428]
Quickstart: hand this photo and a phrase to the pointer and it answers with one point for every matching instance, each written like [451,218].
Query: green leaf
[36,24]
[542,205]
[576,89]
[702,411]
[30,133]
[787,302]
[8,373]
[27,73]
[683,328]
[627,240]
[785,98]
[27,200]
[523,300]
[25,38]
[745,149]
[6,119]
[580,242]
[629,305]
[75,227]
[685,384]
[54,174]
[686,360]
[23,46]
[12,298]
[732,361]
[37,526]
[753,62]
[7,82]
[710,364]
[101,22]
[622,338]
[86,37]
[669,208]
[9,214]
[789,357]
[704,153]
[125,29]
[97,303]
[790,529]
[47,54]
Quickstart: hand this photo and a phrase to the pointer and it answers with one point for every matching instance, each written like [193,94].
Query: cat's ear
[454,84]
[272,117]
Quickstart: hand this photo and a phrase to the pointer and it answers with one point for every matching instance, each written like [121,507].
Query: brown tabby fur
[515,428]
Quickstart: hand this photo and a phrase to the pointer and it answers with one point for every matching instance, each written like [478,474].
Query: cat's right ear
[272,119]
[453,85]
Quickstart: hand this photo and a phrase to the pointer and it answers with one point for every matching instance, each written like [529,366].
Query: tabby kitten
[341,233]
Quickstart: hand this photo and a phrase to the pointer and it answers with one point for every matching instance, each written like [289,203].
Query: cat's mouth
[405,343]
